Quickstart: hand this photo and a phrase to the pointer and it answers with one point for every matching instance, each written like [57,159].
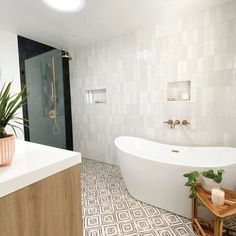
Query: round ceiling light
[65,5]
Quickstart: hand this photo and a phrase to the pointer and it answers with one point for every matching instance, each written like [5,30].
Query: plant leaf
[9,106]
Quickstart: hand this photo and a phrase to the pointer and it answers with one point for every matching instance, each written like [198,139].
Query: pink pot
[7,150]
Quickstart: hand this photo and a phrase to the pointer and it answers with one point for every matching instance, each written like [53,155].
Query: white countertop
[33,162]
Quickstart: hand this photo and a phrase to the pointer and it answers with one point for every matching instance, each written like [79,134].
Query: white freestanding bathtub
[153,172]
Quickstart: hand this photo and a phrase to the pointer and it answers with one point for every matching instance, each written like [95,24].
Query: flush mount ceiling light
[65,5]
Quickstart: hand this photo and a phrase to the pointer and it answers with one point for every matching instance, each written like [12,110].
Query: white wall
[9,64]
[200,47]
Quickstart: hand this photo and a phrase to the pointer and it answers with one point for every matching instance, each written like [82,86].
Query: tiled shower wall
[135,69]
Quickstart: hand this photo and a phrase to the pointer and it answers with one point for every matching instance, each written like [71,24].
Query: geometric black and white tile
[109,210]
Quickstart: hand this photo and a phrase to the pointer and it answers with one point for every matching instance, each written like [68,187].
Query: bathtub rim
[206,166]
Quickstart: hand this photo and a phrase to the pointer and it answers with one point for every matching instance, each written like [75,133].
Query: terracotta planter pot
[7,150]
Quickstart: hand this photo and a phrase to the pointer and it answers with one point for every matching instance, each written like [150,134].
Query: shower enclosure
[46,75]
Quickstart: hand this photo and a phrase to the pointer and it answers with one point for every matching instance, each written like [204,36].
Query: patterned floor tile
[128,228]
[92,221]
[108,219]
[143,225]
[109,210]
[149,233]
[123,216]
[180,230]
[111,230]
[93,231]
[159,222]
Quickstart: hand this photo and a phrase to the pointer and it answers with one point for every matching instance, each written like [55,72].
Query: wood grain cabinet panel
[50,207]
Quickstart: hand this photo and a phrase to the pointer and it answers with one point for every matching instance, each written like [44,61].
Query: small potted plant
[210,180]
[9,105]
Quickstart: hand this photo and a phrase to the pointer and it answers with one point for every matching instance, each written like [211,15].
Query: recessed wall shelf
[178,91]
[96,96]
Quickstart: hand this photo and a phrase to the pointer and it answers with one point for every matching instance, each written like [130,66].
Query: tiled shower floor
[109,210]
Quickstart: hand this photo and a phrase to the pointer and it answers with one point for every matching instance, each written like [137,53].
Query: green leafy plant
[192,179]
[194,175]
[210,174]
[9,105]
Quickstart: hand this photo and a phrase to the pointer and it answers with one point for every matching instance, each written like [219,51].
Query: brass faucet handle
[185,122]
[177,122]
[169,122]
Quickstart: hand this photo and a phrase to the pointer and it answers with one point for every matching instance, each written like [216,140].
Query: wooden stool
[204,227]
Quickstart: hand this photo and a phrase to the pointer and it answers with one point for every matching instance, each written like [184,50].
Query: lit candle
[217,196]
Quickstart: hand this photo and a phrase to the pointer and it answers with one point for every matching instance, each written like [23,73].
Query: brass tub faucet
[176,122]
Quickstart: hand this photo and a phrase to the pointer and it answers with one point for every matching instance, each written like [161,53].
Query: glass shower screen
[46,112]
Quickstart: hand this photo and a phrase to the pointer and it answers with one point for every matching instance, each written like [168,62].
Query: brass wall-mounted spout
[177,122]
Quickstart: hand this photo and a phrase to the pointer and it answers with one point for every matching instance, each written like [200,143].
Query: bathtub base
[154,174]
[154,185]
[162,185]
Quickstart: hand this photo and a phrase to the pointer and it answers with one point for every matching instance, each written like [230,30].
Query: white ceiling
[99,20]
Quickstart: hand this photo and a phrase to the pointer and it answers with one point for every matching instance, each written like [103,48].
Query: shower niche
[179,91]
[96,96]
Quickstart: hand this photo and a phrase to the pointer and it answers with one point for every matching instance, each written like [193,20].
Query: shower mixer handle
[185,122]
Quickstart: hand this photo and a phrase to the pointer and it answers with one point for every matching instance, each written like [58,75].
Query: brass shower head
[66,55]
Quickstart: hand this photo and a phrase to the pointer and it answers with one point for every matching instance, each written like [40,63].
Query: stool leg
[194,211]
[218,228]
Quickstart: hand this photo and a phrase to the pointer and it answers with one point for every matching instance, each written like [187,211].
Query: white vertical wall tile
[135,69]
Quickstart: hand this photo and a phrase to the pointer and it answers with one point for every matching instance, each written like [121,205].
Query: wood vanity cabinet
[49,207]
